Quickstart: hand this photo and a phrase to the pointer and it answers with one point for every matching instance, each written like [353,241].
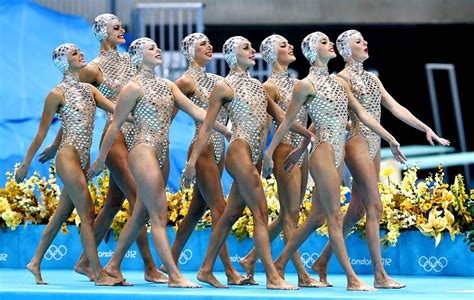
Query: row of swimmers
[140,107]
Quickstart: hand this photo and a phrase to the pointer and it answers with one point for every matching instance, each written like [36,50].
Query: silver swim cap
[308,46]
[188,45]
[343,43]
[60,56]
[99,28]
[230,49]
[135,50]
[268,48]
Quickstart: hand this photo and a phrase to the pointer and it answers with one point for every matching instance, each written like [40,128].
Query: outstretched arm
[126,102]
[373,124]
[51,105]
[406,116]
[219,95]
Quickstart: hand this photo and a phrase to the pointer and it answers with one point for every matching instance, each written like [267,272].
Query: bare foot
[355,284]
[209,278]
[388,283]
[308,281]
[105,280]
[155,276]
[248,265]
[84,269]
[322,271]
[280,284]
[237,279]
[163,269]
[35,270]
[117,275]
[251,281]
[182,282]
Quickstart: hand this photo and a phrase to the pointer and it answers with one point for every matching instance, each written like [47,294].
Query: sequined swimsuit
[117,70]
[285,85]
[247,111]
[367,91]
[328,110]
[204,83]
[152,114]
[77,117]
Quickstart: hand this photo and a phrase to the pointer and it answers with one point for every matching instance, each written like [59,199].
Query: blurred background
[419,49]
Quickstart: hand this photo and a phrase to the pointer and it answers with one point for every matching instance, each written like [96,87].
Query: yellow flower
[388,171]
[4,205]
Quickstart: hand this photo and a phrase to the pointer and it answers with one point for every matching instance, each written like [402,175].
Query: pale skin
[144,166]
[324,172]
[121,182]
[208,189]
[246,189]
[365,197]
[75,193]
[293,182]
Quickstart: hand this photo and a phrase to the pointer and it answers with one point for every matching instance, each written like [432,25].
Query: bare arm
[50,151]
[406,116]
[51,105]
[278,114]
[128,97]
[373,124]
[194,111]
[301,92]
[219,95]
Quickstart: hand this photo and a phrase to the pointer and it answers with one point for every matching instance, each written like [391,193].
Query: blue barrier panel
[414,254]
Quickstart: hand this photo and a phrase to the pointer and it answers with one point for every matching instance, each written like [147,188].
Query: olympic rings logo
[433,263]
[309,259]
[185,256]
[56,253]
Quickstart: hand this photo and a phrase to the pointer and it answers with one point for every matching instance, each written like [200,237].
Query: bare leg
[151,190]
[247,186]
[122,184]
[73,177]
[127,236]
[207,192]
[365,176]
[327,179]
[61,214]
[290,188]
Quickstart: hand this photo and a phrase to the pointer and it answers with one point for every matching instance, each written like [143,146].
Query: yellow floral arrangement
[430,205]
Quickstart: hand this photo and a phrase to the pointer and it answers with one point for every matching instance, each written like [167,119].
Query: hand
[267,166]
[397,153]
[430,136]
[228,135]
[48,153]
[293,158]
[96,168]
[21,173]
[189,176]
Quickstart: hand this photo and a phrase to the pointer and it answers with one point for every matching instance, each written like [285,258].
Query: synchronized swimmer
[140,108]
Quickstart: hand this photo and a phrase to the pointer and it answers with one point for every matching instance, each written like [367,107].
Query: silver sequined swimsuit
[367,91]
[204,83]
[285,85]
[77,117]
[117,70]
[152,114]
[247,111]
[328,111]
